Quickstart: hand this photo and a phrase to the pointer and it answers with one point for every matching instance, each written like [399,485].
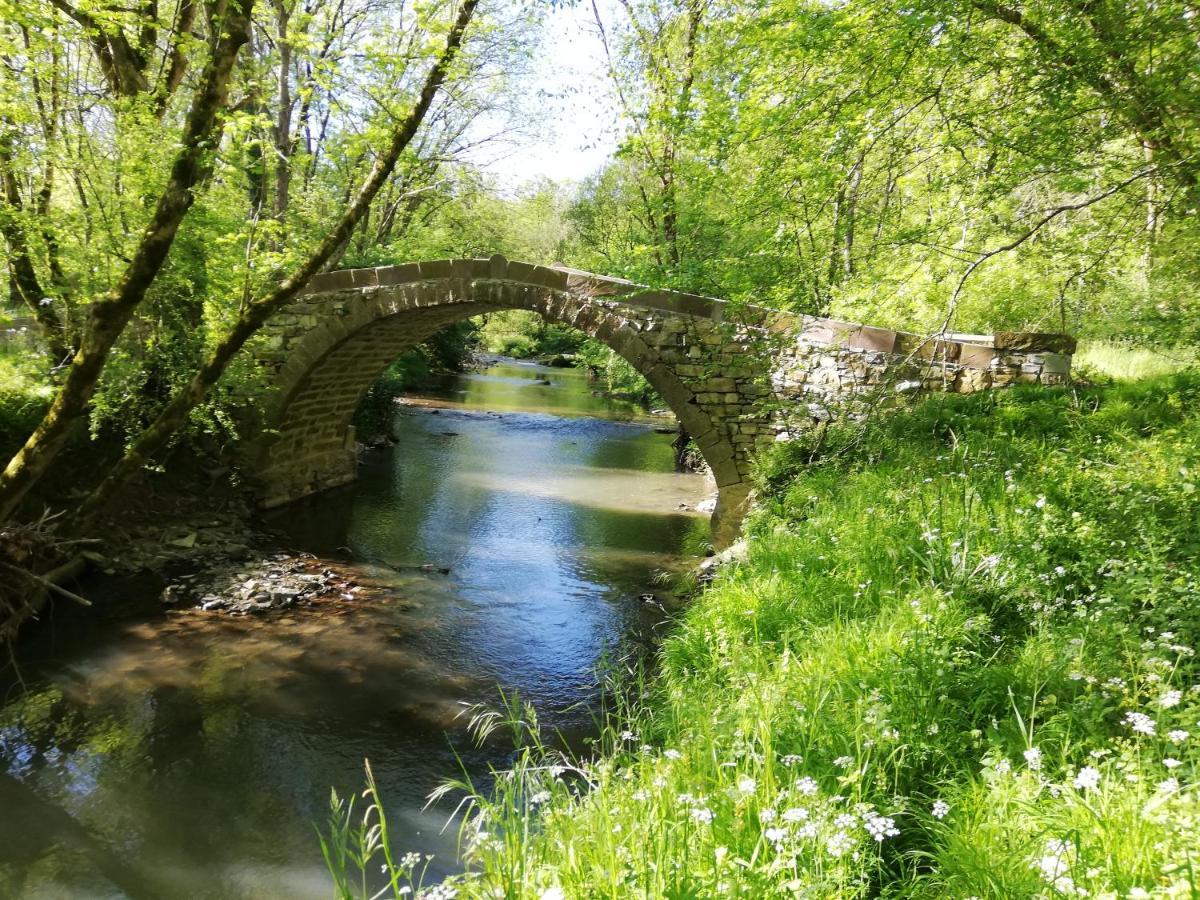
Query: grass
[1123,362]
[958,661]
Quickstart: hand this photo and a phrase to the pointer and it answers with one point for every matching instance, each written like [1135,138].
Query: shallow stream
[510,537]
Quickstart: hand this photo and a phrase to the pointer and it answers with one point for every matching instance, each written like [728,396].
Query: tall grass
[1124,362]
[958,662]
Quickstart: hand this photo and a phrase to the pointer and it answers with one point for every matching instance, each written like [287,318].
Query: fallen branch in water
[24,550]
[63,572]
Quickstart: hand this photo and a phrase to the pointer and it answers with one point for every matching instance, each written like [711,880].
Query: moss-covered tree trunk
[109,316]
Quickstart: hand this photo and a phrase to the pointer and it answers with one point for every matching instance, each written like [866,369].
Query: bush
[615,375]
[23,401]
[518,346]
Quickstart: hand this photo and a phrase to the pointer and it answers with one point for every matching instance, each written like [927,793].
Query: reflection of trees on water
[202,748]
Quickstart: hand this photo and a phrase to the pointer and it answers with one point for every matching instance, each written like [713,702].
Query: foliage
[950,162]
[449,350]
[617,377]
[958,660]
[1100,360]
[352,844]
[23,399]
[526,335]
[91,107]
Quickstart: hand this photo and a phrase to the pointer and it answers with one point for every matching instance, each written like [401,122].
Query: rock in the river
[280,581]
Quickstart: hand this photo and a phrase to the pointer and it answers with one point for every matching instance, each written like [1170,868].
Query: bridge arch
[326,350]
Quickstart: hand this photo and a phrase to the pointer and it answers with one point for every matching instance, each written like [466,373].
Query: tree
[230,21]
[256,313]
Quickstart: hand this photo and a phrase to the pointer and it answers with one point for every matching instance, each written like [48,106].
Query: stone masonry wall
[827,365]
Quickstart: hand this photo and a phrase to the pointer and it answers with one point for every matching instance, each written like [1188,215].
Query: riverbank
[193,751]
[958,660]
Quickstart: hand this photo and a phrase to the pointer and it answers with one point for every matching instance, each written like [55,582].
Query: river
[509,539]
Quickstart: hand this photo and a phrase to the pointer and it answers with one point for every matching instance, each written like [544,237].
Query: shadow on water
[178,753]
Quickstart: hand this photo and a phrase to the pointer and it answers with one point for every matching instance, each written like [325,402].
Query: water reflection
[182,754]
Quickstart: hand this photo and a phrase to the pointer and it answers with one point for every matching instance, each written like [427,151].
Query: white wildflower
[1169,699]
[839,843]
[1054,865]
[1140,722]
[940,809]
[746,785]
[1033,757]
[881,827]
[1088,779]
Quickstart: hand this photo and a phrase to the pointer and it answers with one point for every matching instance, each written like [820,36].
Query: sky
[571,94]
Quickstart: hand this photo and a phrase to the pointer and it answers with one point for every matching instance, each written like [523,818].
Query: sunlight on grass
[959,661]
[18,376]
[1123,362]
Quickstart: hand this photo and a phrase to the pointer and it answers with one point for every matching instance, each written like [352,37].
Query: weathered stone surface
[736,376]
[975,356]
[867,338]
[1032,341]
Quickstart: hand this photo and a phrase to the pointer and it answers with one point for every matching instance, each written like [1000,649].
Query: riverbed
[514,535]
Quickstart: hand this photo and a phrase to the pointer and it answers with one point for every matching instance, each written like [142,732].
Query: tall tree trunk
[283,116]
[109,316]
[22,272]
[255,315]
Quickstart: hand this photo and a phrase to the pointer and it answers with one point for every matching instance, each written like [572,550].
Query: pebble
[278,581]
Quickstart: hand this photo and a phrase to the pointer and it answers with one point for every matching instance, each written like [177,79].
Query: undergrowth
[958,661]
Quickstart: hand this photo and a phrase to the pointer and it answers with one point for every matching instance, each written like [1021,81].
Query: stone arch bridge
[736,377]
